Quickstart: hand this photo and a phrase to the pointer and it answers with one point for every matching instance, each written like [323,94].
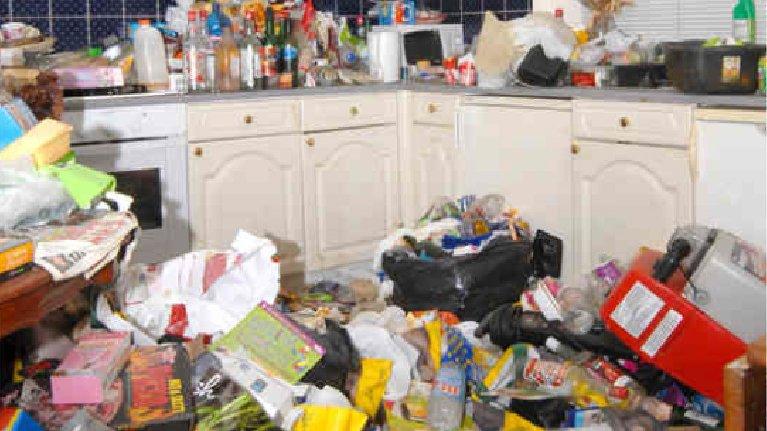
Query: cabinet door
[627,196]
[253,184]
[433,156]
[351,193]
[522,153]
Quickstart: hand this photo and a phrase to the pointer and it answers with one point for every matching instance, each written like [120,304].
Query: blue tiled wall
[78,23]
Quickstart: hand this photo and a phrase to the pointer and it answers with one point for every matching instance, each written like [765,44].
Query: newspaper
[82,245]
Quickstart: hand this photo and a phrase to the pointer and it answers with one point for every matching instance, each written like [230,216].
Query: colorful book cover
[158,394]
[274,342]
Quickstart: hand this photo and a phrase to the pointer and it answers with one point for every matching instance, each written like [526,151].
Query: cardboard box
[90,367]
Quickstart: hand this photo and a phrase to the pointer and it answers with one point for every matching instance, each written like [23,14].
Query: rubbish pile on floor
[465,326]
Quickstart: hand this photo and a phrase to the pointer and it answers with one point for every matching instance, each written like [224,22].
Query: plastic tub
[693,68]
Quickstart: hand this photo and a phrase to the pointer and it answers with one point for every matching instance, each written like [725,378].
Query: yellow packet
[434,331]
[515,422]
[371,385]
[330,419]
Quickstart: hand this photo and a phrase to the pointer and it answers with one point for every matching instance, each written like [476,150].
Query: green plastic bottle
[744,21]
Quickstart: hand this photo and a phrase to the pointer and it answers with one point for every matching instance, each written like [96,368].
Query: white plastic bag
[376,342]
[554,36]
[217,289]
[29,199]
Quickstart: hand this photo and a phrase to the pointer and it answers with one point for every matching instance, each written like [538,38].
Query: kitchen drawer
[125,123]
[650,123]
[327,113]
[242,119]
[434,109]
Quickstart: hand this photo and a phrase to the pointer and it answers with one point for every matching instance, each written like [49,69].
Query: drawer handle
[248,119]
[310,142]
[198,152]
[575,149]
[432,108]
[624,122]
[354,111]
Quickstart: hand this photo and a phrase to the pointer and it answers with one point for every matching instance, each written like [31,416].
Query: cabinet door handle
[432,108]
[310,142]
[575,149]
[624,122]
[198,152]
[354,111]
[248,119]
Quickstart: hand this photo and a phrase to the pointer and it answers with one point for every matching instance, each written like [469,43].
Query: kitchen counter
[665,95]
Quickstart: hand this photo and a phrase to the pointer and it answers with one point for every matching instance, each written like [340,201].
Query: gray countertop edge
[569,93]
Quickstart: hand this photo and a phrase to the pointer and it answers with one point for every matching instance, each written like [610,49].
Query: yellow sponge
[47,142]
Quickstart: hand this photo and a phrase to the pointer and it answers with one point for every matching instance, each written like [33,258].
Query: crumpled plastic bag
[376,342]
[217,289]
[542,28]
[29,199]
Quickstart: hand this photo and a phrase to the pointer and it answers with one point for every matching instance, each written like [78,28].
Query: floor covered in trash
[459,322]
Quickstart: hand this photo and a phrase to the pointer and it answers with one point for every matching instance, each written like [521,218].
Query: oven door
[153,172]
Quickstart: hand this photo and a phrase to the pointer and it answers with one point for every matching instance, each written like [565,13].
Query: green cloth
[81,182]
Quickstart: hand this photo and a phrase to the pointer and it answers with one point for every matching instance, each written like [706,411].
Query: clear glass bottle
[194,56]
[250,56]
[209,53]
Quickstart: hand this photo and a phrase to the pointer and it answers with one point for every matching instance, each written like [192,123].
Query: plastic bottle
[744,21]
[151,64]
[448,398]
[409,11]
[215,22]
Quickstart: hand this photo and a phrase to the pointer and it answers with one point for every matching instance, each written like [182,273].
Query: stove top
[126,90]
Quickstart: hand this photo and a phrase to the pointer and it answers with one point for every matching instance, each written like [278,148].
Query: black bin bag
[470,286]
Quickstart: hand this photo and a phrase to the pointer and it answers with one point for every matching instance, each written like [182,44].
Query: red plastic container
[668,331]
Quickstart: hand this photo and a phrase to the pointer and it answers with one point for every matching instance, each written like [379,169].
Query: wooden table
[26,299]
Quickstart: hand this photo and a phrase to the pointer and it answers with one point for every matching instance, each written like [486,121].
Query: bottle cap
[144,22]
[203,14]
[249,15]
[559,12]
[191,15]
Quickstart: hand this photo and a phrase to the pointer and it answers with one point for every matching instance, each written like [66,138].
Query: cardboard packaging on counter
[90,367]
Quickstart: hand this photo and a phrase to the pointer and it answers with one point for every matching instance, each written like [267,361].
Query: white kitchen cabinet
[730,191]
[627,196]
[521,149]
[250,183]
[434,170]
[351,193]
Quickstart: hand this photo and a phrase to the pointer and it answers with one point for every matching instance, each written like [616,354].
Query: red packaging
[668,331]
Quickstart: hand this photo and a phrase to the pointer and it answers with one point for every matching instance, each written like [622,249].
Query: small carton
[90,367]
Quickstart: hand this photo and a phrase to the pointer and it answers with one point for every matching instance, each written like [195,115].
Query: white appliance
[731,188]
[415,40]
[144,147]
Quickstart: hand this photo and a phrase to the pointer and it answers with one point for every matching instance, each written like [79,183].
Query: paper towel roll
[388,55]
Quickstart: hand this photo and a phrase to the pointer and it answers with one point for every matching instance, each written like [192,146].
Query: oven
[144,147]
